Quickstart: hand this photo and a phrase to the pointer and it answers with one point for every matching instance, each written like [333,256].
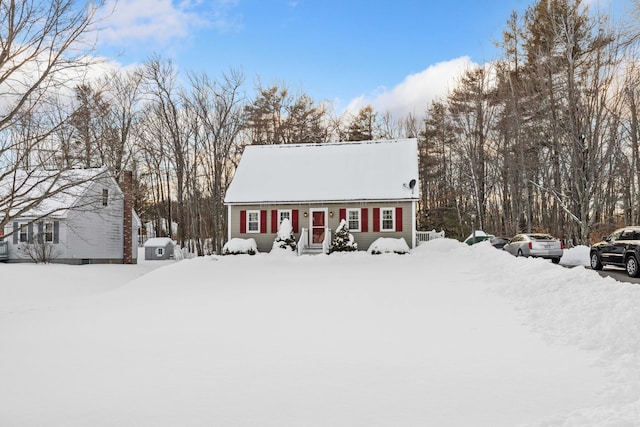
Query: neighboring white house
[82,221]
[373,185]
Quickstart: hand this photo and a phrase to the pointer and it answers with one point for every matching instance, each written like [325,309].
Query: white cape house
[373,185]
[82,216]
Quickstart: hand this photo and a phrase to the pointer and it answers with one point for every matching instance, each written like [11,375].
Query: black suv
[621,248]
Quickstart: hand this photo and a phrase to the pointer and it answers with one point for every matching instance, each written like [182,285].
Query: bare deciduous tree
[43,52]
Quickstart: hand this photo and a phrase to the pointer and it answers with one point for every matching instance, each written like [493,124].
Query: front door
[317,225]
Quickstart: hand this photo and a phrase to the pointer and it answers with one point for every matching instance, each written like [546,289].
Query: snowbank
[448,335]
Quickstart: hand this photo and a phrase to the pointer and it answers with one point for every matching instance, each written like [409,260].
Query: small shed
[158,248]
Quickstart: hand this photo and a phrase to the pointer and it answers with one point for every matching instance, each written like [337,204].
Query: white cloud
[417,91]
[160,21]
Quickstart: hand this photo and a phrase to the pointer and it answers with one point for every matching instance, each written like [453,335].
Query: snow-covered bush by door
[238,246]
[384,245]
[343,241]
[285,240]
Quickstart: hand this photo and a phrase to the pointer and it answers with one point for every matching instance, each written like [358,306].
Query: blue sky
[391,54]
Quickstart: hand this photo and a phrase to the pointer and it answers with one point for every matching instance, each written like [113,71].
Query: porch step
[312,251]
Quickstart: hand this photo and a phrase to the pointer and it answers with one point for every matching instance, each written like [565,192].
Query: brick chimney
[127,229]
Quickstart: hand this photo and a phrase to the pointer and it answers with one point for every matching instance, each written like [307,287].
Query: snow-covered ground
[448,335]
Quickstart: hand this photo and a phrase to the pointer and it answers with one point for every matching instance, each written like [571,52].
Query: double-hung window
[253,221]
[284,214]
[47,231]
[353,219]
[387,219]
[23,236]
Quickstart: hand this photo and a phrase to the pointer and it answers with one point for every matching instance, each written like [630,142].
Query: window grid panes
[253,221]
[353,219]
[387,219]
[24,233]
[282,215]
[48,232]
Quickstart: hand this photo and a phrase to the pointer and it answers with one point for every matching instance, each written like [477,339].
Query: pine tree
[343,240]
[285,238]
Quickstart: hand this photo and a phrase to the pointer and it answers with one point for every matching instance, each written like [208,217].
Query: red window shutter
[376,219]
[364,219]
[263,221]
[398,219]
[274,221]
[243,222]
[294,220]
[343,214]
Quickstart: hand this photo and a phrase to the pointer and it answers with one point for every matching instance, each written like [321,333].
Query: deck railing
[4,250]
[425,236]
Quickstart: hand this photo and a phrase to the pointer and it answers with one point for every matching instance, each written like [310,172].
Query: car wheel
[632,266]
[596,264]
[555,260]
[519,252]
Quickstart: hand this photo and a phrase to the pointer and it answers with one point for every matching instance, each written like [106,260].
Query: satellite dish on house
[410,186]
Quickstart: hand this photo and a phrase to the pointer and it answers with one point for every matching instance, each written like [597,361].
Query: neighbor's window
[105,197]
[353,219]
[284,214]
[387,216]
[23,236]
[253,221]
[159,252]
[47,230]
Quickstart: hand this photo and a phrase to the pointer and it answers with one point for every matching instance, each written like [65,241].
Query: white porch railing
[425,236]
[303,242]
[326,243]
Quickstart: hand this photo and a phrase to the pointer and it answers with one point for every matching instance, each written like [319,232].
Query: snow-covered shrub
[343,241]
[238,246]
[285,240]
[180,253]
[384,245]
[39,251]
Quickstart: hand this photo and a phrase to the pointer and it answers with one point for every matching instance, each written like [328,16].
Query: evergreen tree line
[545,138]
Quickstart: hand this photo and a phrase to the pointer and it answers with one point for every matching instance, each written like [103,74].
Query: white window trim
[23,226]
[249,230]
[393,220]
[159,252]
[280,212]
[359,211]
[44,231]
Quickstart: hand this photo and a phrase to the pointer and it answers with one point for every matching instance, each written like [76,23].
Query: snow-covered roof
[158,241]
[364,170]
[25,190]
